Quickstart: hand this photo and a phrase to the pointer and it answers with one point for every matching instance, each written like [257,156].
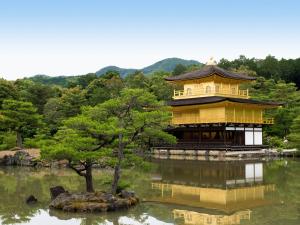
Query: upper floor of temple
[211,80]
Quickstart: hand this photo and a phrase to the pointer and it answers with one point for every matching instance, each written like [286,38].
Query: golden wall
[211,86]
[218,113]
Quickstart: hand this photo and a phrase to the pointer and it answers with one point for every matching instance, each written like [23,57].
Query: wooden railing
[180,94]
[268,121]
[197,120]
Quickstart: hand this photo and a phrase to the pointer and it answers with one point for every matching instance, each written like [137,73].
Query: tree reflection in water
[176,202]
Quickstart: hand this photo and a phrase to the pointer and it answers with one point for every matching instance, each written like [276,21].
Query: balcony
[198,120]
[195,93]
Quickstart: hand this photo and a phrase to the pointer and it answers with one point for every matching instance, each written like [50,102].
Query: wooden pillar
[200,134]
[224,135]
[234,117]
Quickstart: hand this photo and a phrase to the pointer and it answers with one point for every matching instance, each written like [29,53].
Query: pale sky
[72,37]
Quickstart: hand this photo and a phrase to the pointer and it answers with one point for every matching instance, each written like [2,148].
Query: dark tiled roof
[208,71]
[215,99]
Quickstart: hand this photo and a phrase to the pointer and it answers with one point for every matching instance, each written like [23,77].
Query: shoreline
[214,155]
[31,157]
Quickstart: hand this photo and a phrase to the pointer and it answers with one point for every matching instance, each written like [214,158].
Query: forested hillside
[33,109]
[166,65]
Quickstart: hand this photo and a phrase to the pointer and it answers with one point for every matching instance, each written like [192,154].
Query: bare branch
[77,170]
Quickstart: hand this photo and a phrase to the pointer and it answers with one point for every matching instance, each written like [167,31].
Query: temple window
[208,90]
[189,91]
[233,90]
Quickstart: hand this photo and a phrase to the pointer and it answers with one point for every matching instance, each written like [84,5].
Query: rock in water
[31,200]
[20,158]
[92,202]
[126,194]
[56,191]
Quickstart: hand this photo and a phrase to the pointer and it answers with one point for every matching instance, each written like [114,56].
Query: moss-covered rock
[92,202]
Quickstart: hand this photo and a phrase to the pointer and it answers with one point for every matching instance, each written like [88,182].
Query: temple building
[212,111]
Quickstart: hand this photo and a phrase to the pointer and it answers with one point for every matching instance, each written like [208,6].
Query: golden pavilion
[212,111]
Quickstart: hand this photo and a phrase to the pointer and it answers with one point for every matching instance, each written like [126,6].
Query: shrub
[7,140]
[276,142]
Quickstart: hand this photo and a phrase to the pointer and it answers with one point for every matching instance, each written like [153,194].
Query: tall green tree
[72,100]
[160,87]
[7,90]
[105,87]
[111,129]
[269,68]
[60,108]
[20,117]
[54,114]
[75,143]
[136,80]
[134,117]
[85,80]
[36,93]
[179,69]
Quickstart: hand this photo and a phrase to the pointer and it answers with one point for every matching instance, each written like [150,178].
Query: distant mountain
[167,65]
[48,80]
[164,65]
[123,72]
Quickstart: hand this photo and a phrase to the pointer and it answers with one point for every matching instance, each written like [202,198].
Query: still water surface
[176,192]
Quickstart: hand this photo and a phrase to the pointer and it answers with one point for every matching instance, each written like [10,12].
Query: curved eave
[171,79]
[216,99]
[209,71]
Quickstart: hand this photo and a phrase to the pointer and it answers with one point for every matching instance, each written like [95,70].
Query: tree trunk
[116,179]
[89,179]
[118,166]
[19,140]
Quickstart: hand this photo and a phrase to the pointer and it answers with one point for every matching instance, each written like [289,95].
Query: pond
[175,192]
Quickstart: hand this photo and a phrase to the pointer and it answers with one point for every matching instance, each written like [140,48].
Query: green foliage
[137,80]
[20,117]
[72,100]
[140,112]
[83,81]
[7,91]
[159,87]
[37,94]
[7,140]
[122,185]
[193,67]
[179,69]
[62,81]
[269,68]
[294,136]
[278,91]
[65,147]
[54,114]
[60,108]
[105,87]
[42,138]
[276,142]
[94,134]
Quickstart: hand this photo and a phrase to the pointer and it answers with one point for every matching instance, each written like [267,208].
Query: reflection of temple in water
[195,218]
[231,188]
